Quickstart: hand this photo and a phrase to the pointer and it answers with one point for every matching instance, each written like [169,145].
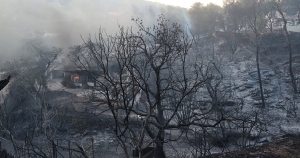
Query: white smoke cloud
[62,22]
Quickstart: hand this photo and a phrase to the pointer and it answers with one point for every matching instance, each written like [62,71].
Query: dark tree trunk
[294,85]
[3,153]
[259,77]
[159,150]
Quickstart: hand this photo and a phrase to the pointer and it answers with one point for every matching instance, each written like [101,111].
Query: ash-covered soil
[285,147]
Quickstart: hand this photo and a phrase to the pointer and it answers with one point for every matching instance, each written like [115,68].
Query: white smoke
[61,23]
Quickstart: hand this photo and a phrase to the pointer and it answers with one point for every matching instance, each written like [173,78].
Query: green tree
[205,18]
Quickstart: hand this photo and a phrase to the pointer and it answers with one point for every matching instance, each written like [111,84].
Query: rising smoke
[61,23]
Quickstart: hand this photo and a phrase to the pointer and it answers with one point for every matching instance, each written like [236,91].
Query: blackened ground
[286,147]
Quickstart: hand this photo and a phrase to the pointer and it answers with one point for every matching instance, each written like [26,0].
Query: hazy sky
[187,3]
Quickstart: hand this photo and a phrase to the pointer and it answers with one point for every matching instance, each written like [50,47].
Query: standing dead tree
[257,23]
[278,7]
[152,74]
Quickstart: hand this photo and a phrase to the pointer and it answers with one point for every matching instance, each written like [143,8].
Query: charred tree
[277,5]
[152,73]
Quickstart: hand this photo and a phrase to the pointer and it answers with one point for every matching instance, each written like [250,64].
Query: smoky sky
[61,23]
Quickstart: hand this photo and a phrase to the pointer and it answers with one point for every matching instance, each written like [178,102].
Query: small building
[75,77]
[81,77]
